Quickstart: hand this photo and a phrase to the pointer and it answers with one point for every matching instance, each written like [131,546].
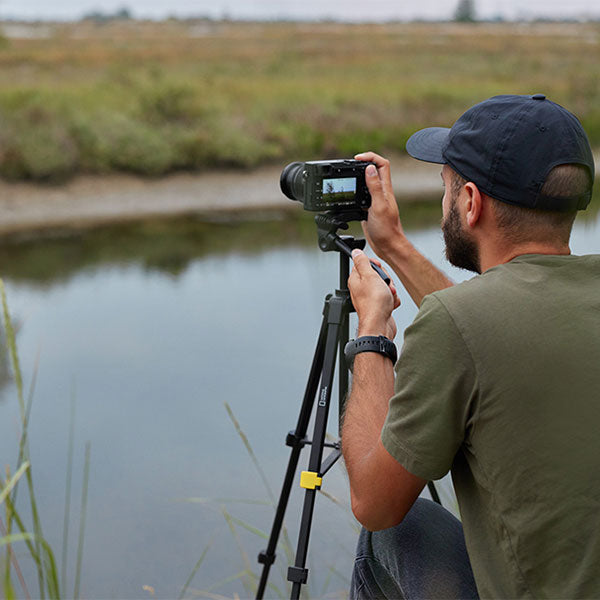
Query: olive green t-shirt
[499,382]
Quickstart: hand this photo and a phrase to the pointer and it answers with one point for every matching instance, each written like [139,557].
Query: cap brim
[428,144]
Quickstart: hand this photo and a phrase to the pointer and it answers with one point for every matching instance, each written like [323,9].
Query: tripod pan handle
[381,273]
[343,247]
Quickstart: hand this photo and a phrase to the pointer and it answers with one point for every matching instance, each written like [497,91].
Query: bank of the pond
[92,201]
[220,195]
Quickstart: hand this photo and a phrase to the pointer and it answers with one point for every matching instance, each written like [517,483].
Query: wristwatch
[370,343]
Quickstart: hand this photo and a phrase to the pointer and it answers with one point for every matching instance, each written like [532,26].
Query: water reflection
[166,245]
[170,245]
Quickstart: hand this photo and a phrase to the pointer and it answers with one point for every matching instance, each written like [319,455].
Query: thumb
[361,261]
[372,180]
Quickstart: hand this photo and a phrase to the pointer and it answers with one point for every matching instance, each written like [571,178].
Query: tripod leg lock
[266,559]
[310,480]
[293,440]
[297,574]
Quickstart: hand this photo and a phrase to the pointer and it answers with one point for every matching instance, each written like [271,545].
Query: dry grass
[156,97]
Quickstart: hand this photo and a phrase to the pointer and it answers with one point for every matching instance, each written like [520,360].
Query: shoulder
[449,303]
[479,285]
[473,309]
[435,336]
[511,295]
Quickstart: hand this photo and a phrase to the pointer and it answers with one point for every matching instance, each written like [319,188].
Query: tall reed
[13,527]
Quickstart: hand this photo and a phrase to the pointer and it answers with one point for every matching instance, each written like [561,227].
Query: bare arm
[418,275]
[382,491]
[385,235]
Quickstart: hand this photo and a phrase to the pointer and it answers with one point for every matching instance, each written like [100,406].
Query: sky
[345,10]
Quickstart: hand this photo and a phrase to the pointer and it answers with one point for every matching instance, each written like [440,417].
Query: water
[151,329]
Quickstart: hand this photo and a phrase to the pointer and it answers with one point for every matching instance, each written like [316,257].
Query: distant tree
[122,14]
[329,188]
[465,11]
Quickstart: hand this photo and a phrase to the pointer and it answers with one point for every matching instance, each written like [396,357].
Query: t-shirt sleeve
[435,391]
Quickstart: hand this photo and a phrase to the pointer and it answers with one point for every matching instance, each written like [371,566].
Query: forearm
[366,410]
[418,275]
[382,491]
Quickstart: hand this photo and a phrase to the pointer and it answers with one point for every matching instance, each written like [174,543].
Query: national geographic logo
[323,399]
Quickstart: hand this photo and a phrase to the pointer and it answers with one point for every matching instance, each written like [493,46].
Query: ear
[473,201]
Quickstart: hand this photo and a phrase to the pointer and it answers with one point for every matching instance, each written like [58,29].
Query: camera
[327,185]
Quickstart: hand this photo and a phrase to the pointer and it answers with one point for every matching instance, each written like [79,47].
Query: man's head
[516,224]
[527,156]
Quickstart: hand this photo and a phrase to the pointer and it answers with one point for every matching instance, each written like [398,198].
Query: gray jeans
[423,557]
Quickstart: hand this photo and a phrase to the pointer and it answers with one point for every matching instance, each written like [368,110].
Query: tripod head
[329,223]
[327,226]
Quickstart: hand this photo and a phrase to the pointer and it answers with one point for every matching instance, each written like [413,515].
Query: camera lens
[292,181]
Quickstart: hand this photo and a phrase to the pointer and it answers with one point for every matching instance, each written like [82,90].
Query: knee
[423,556]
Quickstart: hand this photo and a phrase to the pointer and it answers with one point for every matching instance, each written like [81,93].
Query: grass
[13,527]
[277,586]
[151,98]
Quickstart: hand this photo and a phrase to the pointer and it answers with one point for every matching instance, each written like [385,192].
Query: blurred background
[165,298]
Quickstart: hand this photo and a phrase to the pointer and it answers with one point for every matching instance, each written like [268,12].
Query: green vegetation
[14,531]
[152,98]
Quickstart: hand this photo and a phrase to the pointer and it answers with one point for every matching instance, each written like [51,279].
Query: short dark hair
[527,224]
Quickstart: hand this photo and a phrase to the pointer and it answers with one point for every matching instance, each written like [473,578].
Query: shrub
[37,145]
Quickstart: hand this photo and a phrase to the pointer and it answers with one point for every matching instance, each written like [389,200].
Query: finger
[394,291]
[377,262]
[372,157]
[382,164]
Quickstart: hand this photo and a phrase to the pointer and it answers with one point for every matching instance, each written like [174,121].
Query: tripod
[333,334]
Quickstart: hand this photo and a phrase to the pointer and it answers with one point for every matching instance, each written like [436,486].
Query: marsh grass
[249,576]
[151,98]
[13,525]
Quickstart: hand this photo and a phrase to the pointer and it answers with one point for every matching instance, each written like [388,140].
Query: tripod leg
[433,491]
[295,439]
[311,479]
[343,372]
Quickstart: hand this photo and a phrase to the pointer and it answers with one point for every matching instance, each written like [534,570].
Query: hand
[383,224]
[373,300]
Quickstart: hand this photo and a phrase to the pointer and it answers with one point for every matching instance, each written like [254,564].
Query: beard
[461,249]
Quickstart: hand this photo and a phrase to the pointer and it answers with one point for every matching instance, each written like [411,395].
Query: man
[498,380]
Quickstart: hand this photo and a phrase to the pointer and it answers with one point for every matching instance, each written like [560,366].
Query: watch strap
[370,343]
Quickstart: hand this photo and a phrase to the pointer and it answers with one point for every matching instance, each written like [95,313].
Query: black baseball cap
[507,145]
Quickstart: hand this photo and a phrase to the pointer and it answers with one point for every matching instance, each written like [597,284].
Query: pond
[145,337]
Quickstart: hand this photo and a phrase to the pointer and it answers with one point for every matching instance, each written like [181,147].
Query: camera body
[327,185]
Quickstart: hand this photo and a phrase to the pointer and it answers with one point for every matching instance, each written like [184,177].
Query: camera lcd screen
[339,190]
